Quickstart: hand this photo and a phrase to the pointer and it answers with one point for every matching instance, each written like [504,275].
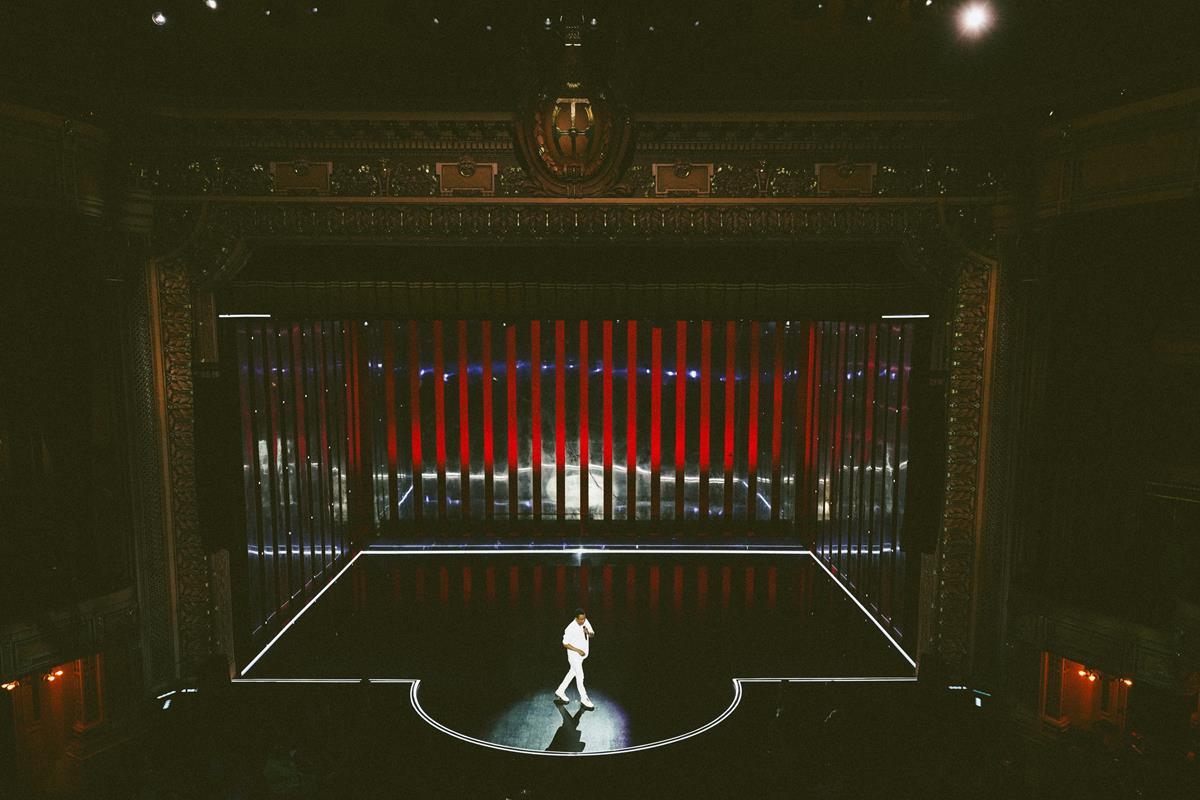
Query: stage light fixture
[1126,681]
[51,677]
[11,685]
[58,673]
[1083,673]
[158,18]
[975,18]
[1091,677]
[212,5]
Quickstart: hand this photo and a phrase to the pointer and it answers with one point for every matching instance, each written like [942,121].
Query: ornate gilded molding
[385,173]
[219,224]
[185,548]
[958,547]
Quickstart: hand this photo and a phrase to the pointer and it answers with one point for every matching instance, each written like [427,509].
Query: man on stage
[575,641]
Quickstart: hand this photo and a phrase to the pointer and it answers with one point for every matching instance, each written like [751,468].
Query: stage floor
[477,637]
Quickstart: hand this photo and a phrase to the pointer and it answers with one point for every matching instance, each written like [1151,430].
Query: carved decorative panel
[966,426]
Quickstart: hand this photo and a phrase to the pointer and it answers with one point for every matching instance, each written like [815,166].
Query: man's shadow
[566,738]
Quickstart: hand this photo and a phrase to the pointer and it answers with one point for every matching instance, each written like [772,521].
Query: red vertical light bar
[869,404]
[585,471]
[439,403]
[730,384]
[655,420]
[464,427]
[584,584]
[705,402]
[680,411]
[752,437]
[560,418]
[389,402]
[606,574]
[631,421]
[814,432]
[535,383]
[510,376]
[807,413]
[358,402]
[414,402]
[835,473]
[489,489]
[777,425]
[606,331]
[352,407]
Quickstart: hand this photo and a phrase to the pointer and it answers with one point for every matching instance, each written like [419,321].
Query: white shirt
[574,635]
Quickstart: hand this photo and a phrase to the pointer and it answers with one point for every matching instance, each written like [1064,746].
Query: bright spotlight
[158,18]
[212,4]
[975,18]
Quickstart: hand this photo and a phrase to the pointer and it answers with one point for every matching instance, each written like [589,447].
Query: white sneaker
[562,698]
[586,704]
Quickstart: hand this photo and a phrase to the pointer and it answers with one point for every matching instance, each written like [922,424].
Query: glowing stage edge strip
[299,614]
[869,615]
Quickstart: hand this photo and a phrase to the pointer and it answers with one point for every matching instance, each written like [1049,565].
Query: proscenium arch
[215,237]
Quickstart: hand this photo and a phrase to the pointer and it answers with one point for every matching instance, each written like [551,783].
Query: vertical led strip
[752,427]
[585,471]
[681,327]
[439,405]
[655,421]
[510,377]
[489,461]
[631,421]
[560,419]
[705,410]
[607,334]
[535,393]
[464,427]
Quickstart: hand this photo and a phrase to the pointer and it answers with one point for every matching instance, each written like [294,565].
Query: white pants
[576,671]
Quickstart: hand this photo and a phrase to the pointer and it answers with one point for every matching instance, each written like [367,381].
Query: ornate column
[960,546]
[172,566]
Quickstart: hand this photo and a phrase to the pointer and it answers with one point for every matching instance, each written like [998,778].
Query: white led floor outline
[567,550]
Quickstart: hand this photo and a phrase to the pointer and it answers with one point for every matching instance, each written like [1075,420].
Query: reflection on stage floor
[479,637]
